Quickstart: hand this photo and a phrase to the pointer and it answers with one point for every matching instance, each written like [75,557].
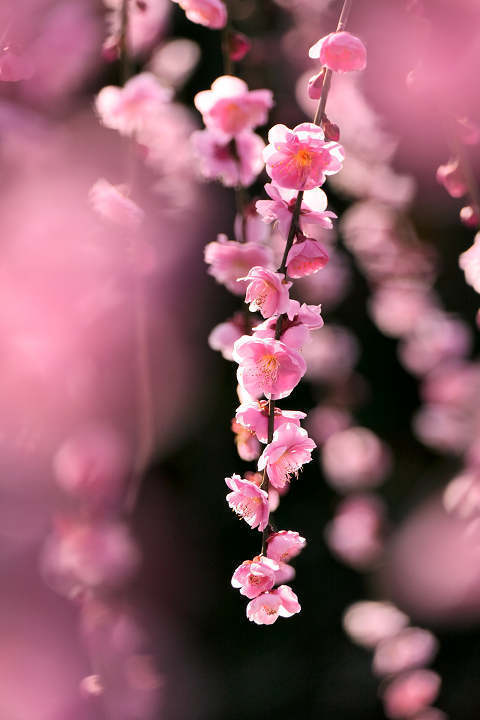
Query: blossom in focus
[451,177]
[232,166]
[128,108]
[410,648]
[300,159]
[256,576]
[284,545]
[246,441]
[469,262]
[355,458]
[306,257]
[230,260]
[369,622]
[284,456]
[410,693]
[267,291]
[280,208]
[230,108]
[340,52]
[254,415]
[113,204]
[267,367]
[210,13]
[248,501]
[295,326]
[266,608]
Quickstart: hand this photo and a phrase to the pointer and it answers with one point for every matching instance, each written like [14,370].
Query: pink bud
[469,216]
[315,85]
[238,46]
[331,130]
[451,177]
[111,49]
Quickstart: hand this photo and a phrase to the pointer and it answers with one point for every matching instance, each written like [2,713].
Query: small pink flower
[340,52]
[451,177]
[113,204]
[224,335]
[315,85]
[469,262]
[265,609]
[412,647]
[295,327]
[210,13]
[256,576]
[254,415]
[284,545]
[300,159]
[355,458]
[246,441]
[306,258]
[218,160]
[230,108]
[354,534]
[248,501]
[280,208]
[267,367]
[325,420]
[230,260]
[128,109]
[284,456]
[368,623]
[267,291]
[410,693]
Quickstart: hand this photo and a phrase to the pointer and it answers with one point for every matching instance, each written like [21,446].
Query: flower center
[304,158]
[269,366]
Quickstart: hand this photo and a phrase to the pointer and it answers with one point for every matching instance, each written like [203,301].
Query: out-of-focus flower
[256,576]
[354,533]
[340,52]
[368,623]
[354,459]
[411,648]
[211,13]
[469,216]
[306,257]
[174,61]
[396,306]
[435,338]
[246,441]
[289,450]
[267,291]
[146,21]
[451,177]
[254,415]
[230,261]
[224,336]
[230,108]
[469,262]
[248,501]
[284,545]
[462,495]
[234,165]
[113,204]
[267,367]
[266,608]
[238,46]
[331,354]
[280,208]
[326,420]
[300,159]
[410,693]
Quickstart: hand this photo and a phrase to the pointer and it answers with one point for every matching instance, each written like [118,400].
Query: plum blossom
[230,261]
[295,325]
[238,46]
[267,291]
[146,20]
[315,85]
[410,648]
[452,179]
[113,204]
[210,13]
[469,262]
[462,495]
[354,533]
[300,159]
[284,545]
[355,458]
[411,692]
[246,441]
[340,52]
[267,367]
[284,456]
[306,257]
[256,576]
[254,415]
[230,108]
[127,109]
[233,163]
[369,622]
[224,335]
[280,208]
[248,501]
[267,607]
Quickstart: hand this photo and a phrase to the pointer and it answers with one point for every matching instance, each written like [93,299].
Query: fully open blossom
[127,109]
[284,545]
[230,260]
[267,367]
[113,204]
[355,458]
[254,415]
[248,501]
[451,177]
[300,159]
[280,208]
[469,262]
[340,52]
[410,692]
[256,576]
[284,456]
[369,622]
[267,291]
[306,258]
[410,648]
[230,108]
[266,608]
[246,441]
[211,13]
[237,164]
[295,325]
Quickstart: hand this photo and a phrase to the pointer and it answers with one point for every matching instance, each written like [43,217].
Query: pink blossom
[355,458]
[315,85]
[267,291]
[436,337]
[300,159]
[396,306]
[113,204]
[295,326]
[286,572]
[469,262]
[254,415]
[230,260]
[340,52]
[267,367]
[238,46]
[367,623]
[248,501]
[284,545]
[306,258]
[410,648]
[146,20]
[410,692]
[224,335]
[218,160]
[246,441]
[266,608]
[452,179]
[210,13]
[230,108]
[469,216]
[256,576]
[325,420]
[280,208]
[354,533]
[284,456]
[331,354]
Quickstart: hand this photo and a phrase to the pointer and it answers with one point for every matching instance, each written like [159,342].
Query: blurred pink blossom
[410,692]
[340,52]
[355,458]
[410,648]
[355,532]
[370,622]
